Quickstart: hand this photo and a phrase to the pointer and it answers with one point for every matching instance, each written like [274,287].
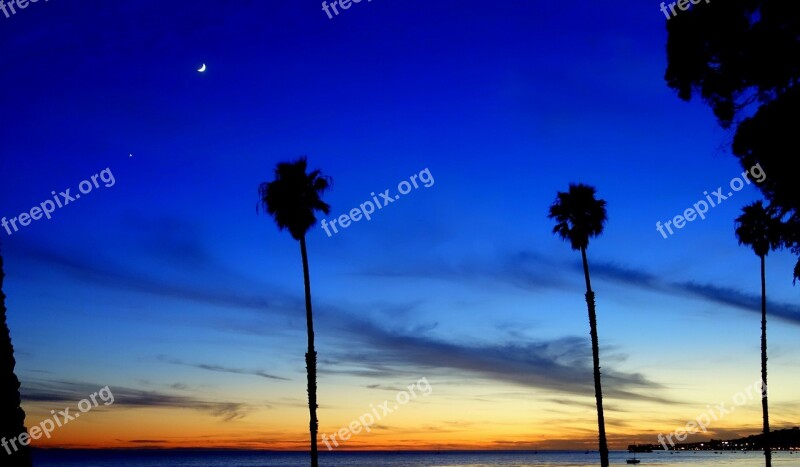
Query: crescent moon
[202,68]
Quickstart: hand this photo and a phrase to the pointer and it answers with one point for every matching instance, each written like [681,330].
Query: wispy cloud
[533,271]
[561,364]
[524,269]
[712,293]
[558,364]
[205,289]
[68,393]
[220,368]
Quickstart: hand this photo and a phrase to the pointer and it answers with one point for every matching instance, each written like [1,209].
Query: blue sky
[169,282]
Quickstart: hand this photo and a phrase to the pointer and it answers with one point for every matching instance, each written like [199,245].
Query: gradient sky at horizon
[171,289]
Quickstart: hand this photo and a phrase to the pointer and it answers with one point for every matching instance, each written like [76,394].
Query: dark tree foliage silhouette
[742,58]
[293,199]
[760,229]
[579,216]
[12,417]
[769,138]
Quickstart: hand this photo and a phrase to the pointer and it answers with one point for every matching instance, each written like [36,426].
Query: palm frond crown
[294,197]
[579,215]
[759,228]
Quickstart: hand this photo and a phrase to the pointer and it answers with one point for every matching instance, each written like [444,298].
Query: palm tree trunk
[311,359]
[598,391]
[12,417]
[764,402]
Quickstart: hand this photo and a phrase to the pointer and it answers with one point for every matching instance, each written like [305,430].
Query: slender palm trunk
[598,390]
[764,401]
[311,360]
[12,417]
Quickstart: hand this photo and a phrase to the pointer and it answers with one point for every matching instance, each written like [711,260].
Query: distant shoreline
[374,451]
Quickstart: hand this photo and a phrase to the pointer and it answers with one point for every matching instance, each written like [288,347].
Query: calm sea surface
[402,459]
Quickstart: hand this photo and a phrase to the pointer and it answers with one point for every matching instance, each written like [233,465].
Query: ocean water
[117,458]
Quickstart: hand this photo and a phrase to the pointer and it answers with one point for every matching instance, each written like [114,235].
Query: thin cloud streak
[69,393]
[715,294]
[532,271]
[221,369]
[559,364]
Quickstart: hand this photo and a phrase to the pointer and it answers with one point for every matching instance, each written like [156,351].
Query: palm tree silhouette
[292,199]
[760,228]
[580,216]
[12,417]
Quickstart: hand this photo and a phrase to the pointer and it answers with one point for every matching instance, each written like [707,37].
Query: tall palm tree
[293,199]
[580,216]
[12,417]
[760,228]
